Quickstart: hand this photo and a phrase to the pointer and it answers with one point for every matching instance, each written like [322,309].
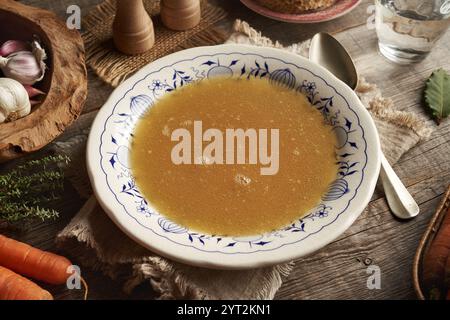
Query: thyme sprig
[27,188]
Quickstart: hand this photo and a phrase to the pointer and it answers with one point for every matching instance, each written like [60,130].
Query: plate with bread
[301,11]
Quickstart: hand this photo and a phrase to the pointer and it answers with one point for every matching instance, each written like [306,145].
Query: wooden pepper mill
[132,27]
[180,14]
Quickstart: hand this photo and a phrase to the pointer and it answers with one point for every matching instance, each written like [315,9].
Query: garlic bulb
[22,66]
[14,101]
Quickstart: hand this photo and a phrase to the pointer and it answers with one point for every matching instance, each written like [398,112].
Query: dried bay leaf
[437,94]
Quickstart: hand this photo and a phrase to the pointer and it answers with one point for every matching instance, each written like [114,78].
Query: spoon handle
[399,199]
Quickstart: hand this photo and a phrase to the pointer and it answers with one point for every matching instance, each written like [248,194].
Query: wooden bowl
[65,81]
[425,242]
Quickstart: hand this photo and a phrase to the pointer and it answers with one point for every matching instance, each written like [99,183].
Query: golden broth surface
[212,198]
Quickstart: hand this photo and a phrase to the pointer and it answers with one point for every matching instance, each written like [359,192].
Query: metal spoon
[328,52]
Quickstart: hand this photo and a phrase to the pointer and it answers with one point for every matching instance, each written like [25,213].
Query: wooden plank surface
[339,270]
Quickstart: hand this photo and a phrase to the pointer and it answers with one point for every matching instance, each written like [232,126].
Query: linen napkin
[88,236]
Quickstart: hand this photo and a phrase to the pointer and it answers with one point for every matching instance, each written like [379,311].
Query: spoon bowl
[329,53]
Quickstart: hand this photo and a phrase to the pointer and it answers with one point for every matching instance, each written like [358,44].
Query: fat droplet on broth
[166,131]
[242,180]
[187,123]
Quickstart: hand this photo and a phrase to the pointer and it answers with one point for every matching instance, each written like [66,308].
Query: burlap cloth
[93,240]
[114,67]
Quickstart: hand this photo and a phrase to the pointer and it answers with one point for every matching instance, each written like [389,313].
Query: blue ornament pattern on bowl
[337,189]
[140,104]
[170,226]
[284,77]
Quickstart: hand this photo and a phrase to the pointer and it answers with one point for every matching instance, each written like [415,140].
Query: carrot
[434,263]
[32,262]
[16,287]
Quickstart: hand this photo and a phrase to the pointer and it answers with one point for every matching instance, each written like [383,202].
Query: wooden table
[339,270]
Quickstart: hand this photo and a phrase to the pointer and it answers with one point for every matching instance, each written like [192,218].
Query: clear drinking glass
[408,29]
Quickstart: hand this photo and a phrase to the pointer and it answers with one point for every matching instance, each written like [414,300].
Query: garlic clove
[32,92]
[12,46]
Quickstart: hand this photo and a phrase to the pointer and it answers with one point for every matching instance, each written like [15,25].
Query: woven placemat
[114,67]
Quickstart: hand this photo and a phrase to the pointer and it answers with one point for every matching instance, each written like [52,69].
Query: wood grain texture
[65,82]
[338,271]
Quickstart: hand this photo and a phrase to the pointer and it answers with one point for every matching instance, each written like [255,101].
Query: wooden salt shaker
[132,27]
[180,14]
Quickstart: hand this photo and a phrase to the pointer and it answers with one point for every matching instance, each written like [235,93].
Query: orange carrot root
[86,288]
[16,287]
[33,262]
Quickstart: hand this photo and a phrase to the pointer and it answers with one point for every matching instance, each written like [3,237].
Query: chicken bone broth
[180,169]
